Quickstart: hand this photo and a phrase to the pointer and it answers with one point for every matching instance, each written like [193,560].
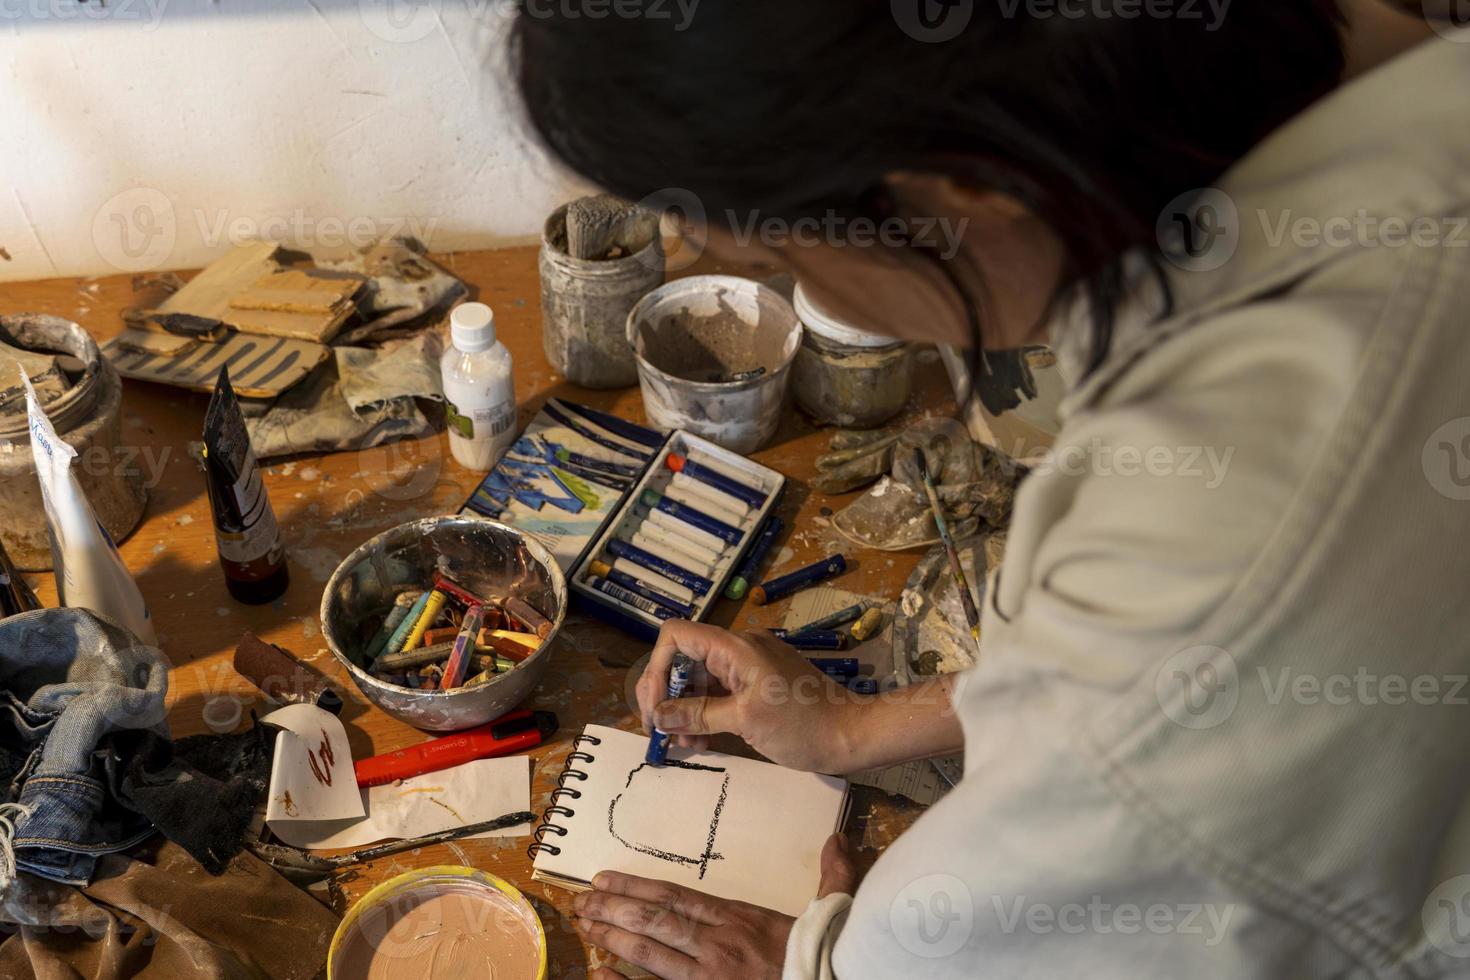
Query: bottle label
[486,423]
[258,535]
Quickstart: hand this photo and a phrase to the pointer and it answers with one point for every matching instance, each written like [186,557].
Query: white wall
[150,134]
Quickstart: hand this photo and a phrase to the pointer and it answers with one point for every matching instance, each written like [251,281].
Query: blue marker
[699,519]
[779,588]
[812,639]
[658,742]
[716,479]
[751,566]
[838,668]
[638,602]
[673,604]
[697,584]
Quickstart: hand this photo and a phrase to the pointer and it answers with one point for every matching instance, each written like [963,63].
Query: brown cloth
[158,916]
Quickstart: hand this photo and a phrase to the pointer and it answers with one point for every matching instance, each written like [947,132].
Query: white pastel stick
[725,469]
[712,494]
[705,558]
[705,506]
[698,535]
[668,554]
[654,580]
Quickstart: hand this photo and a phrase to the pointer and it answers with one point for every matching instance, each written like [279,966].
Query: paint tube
[250,549]
[90,574]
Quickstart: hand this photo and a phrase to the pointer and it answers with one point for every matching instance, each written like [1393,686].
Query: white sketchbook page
[769,824]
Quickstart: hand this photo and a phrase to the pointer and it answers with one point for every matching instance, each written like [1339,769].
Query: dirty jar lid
[472,327]
[828,327]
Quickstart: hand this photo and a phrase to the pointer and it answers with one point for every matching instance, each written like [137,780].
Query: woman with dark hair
[1216,728]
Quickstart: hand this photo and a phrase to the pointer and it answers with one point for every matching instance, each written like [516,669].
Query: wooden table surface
[327,505]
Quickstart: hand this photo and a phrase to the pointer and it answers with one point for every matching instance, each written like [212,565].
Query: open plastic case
[634,513]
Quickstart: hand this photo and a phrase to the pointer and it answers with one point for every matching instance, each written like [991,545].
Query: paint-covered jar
[846,376]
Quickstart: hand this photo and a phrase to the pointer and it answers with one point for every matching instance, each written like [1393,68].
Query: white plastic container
[479,387]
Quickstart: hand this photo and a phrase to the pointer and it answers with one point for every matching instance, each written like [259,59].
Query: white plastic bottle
[479,387]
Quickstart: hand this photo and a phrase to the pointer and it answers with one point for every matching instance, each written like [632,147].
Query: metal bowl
[483,557]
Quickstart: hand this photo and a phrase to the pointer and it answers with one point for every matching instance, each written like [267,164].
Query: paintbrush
[972,615]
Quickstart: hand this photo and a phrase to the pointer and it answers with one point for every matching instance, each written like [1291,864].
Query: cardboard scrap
[260,367]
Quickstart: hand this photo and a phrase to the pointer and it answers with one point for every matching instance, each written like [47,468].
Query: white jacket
[1221,723]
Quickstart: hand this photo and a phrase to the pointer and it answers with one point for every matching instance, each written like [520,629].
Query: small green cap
[651,498]
[736,588]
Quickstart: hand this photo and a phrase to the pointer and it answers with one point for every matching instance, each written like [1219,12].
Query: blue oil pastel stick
[589,463]
[751,566]
[698,584]
[840,618]
[779,588]
[658,742]
[615,425]
[837,667]
[687,514]
[812,639]
[716,479]
[588,433]
[631,584]
[636,601]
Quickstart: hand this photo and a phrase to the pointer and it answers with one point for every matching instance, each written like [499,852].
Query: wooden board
[328,505]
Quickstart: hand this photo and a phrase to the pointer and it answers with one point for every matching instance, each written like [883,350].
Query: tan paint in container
[440,922]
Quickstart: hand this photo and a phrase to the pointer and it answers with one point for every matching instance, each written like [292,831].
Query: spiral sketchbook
[736,828]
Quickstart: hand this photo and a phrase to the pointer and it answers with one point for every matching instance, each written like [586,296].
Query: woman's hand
[679,934]
[782,706]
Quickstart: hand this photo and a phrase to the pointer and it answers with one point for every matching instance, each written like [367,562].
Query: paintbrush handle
[455,833]
[972,615]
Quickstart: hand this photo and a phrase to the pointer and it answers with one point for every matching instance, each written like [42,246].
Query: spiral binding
[546,827]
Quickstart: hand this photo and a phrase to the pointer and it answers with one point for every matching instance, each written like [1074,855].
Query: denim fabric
[69,679]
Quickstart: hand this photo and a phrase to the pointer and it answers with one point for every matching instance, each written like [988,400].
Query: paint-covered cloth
[70,679]
[161,916]
[1218,726]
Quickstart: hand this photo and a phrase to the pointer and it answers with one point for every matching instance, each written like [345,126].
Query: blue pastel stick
[812,639]
[689,515]
[617,426]
[658,742]
[631,584]
[838,667]
[696,583]
[716,479]
[400,635]
[778,588]
[587,433]
[589,463]
[751,566]
[636,601]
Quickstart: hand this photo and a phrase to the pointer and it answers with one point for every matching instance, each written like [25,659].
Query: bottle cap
[472,327]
